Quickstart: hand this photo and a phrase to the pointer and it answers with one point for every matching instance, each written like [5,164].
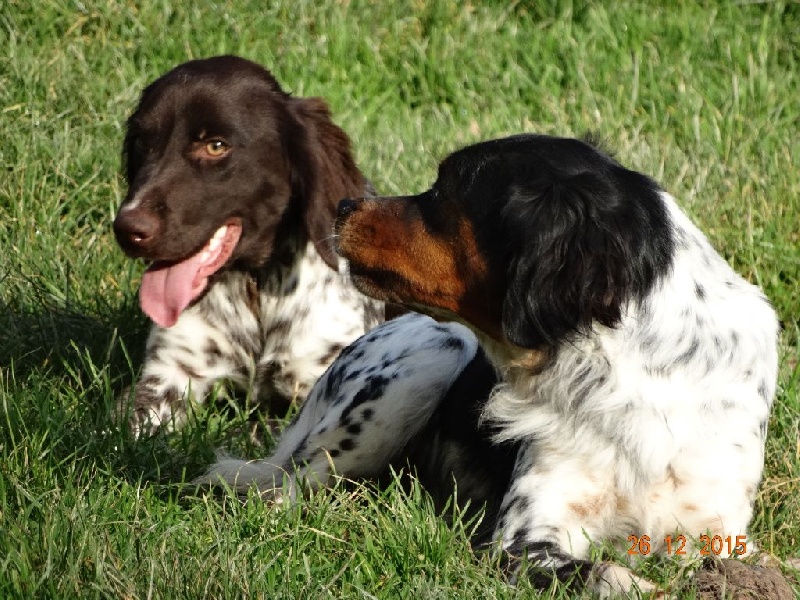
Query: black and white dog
[636,368]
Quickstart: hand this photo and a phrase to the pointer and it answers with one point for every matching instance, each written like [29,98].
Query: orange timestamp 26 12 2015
[676,544]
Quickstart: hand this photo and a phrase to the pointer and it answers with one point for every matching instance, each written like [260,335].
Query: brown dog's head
[528,239]
[220,163]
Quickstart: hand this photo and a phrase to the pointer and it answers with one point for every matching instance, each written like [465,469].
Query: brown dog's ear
[131,156]
[323,171]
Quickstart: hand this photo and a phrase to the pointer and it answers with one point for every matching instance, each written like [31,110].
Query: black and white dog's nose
[346,207]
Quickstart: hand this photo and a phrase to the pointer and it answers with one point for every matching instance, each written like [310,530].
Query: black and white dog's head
[527,238]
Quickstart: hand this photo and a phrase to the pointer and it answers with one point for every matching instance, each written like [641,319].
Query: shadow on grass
[53,335]
[63,368]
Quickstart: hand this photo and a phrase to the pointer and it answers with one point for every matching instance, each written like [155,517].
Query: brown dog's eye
[216,148]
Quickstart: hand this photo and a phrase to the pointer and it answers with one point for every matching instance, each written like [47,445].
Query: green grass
[703,97]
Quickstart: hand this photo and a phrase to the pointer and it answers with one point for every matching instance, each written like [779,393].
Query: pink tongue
[167,289]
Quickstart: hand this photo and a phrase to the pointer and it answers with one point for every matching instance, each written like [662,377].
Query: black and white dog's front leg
[376,396]
[555,506]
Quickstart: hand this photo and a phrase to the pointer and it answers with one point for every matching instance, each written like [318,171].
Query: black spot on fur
[151,381]
[699,291]
[333,380]
[762,391]
[291,285]
[188,369]
[688,355]
[547,562]
[278,329]
[518,538]
[453,343]
[374,387]
[213,349]
[354,374]
[333,351]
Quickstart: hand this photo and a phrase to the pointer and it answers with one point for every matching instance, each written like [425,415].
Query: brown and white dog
[233,187]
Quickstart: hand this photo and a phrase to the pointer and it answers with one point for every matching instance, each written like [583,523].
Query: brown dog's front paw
[147,410]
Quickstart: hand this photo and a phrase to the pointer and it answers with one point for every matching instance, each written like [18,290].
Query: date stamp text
[708,545]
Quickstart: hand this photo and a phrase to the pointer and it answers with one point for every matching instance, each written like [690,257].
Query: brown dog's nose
[135,228]
[347,206]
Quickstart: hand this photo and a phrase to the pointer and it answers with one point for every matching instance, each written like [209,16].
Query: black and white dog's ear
[581,248]
[323,170]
